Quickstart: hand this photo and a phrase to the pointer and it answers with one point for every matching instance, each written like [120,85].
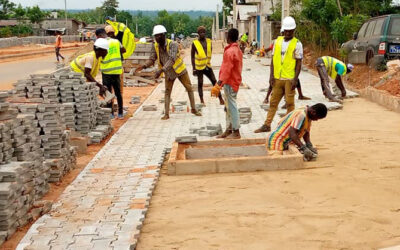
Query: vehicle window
[370,28]
[378,27]
[394,27]
[362,30]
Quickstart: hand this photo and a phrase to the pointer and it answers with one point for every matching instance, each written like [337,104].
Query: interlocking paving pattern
[104,208]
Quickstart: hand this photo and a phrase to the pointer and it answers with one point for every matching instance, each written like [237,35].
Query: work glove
[308,155]
[311,147]
[216,90]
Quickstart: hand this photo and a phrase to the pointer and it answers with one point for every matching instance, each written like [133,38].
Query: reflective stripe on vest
[201,59]
[178,66]
[330,65]
[285,68]
[75,66]
[112,64]
[128,38]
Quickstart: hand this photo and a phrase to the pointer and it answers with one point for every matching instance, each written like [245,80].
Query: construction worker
[167,54]
[58,45]
[293,127]
[335,68]
[111,68]
[89,64]
[243,41]
[285,70]
[201,61]
[230,77]
[123,34]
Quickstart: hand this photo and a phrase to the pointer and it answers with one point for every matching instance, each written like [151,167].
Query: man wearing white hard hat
[329,66]
[166,53]
[89,64]
[287,56]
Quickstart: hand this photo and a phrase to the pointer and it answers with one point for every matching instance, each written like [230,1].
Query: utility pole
[234,15]
[217,23]
[285,8]
[66,18]
[223,18]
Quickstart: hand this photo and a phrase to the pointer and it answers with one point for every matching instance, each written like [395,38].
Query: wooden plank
[139,57]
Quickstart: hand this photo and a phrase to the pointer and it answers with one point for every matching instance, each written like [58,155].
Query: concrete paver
[104,208]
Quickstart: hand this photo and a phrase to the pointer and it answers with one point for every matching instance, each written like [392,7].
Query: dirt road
[348,199]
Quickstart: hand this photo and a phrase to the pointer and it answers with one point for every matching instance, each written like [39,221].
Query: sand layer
[348,199]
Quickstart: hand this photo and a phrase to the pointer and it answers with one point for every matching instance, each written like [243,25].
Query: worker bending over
[295,126]
[329,66]
[89,64]
[230,77]
[201,62]
[285,70]
[166,53]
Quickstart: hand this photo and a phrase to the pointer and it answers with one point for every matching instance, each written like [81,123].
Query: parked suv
[377,40]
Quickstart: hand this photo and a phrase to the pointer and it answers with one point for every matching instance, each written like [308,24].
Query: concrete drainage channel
[229,156]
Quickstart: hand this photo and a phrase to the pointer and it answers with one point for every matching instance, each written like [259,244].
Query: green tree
[19,13]
[109,7]
[165,19]
[6,9]
[124,17]
[35,14]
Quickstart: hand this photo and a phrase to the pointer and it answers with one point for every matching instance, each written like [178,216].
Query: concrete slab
[229,156]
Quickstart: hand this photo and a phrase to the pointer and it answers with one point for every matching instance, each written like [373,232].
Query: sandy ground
[348,199]
[56,189]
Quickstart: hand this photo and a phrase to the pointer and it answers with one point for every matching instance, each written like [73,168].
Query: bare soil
[347,199]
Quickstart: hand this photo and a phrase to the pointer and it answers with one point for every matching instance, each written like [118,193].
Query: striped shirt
[279,139]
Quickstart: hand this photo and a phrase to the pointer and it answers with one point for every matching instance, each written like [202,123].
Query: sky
[126,4]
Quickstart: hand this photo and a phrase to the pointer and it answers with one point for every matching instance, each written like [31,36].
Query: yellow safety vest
[179,65]
[128,39]
[244,38]
[201,59]
[330,65]
[285,68]
[112,63]
[75,66]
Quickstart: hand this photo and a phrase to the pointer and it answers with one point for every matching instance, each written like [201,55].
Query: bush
[5,32]
[22,30]
[343,28]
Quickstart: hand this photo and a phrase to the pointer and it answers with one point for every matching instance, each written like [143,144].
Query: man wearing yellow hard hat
[89,64]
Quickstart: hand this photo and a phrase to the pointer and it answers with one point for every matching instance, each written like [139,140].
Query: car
[377,41]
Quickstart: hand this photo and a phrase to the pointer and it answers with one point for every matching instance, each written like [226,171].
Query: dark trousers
[58,54]
[113,82]
[200,76]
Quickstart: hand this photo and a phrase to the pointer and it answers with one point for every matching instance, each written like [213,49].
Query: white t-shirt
[298,52]
[87,61]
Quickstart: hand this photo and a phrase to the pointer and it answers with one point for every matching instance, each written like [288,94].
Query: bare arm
[293,133]
[90,78]
[193,54]
[306,138]
[271,74]
[152,59]
[172,55]
[297,73]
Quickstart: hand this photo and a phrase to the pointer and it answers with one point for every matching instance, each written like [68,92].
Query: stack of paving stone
[46,84]
[85,107]
[65,87]
[245,115]
[67,113]
[103,126]
[208,130]
[16,196]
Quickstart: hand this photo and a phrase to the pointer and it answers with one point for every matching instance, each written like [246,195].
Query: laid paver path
[105,206]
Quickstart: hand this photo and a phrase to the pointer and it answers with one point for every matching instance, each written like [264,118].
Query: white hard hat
[159,29]
[102,43]
[142,40]
[288,23]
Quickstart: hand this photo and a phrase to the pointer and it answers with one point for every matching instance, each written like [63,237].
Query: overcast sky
[126,4]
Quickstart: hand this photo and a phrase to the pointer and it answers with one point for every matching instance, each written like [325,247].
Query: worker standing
[89,64]
[111,68]
[166,53]
[230,77]
[58,45]
[296,126]
[123,34]
[285,70]
[201,61]
[243,41]
[335,68]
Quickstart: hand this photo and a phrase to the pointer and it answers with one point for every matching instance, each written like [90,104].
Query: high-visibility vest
[332,66]
[244,38]
[128,39]
[75,66]
[286,67]
[202,60]
[112,63]
[179,66]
